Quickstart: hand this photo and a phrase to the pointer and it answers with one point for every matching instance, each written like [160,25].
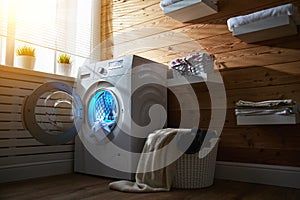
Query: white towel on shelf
[165,3]
[264,111]
[287,9]
[269,103]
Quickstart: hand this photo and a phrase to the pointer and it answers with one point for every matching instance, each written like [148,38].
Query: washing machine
[110,110]
[123,100]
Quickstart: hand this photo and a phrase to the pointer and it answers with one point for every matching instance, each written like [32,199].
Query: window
[52,27]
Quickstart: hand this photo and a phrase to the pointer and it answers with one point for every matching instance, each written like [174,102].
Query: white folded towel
[287,9]
[165,3]
[264,111]
[269,103]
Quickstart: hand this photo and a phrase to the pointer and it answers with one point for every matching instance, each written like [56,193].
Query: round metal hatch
[52,112]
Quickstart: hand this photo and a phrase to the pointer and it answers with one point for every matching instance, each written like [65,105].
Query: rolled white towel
[287,9]
[165,3]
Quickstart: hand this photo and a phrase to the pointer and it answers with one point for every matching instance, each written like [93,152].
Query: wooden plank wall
[21,155]
[260,71]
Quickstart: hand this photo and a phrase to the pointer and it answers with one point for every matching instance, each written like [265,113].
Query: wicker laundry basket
[193,172]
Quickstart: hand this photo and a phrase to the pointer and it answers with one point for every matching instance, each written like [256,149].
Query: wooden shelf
[184,11]
[268,119]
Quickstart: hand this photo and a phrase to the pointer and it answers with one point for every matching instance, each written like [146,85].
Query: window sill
[35,73]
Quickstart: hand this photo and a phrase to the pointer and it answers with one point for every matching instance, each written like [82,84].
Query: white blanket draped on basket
[152,177]
[287,9]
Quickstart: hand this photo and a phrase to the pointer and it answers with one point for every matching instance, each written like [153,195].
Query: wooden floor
[78,186]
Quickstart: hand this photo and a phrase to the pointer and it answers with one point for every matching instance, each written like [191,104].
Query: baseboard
[11,173]
[283,176]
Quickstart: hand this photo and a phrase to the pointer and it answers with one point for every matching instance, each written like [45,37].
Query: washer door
[52,113]
[103,111]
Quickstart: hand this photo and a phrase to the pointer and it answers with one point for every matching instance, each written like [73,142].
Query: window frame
[11,40]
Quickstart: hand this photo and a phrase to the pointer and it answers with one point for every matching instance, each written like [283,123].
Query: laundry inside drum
[103,111]
[54,112]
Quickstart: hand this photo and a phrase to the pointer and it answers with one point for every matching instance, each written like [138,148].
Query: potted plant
[64,65]
[25,57]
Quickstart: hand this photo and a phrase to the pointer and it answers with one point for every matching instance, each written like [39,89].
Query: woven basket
[193,172]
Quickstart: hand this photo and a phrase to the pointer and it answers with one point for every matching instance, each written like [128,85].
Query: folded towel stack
[194,64]
[165,3]
[287,9]
[277,107]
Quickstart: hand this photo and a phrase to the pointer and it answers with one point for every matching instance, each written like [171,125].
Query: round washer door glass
[103,111]
[51,112]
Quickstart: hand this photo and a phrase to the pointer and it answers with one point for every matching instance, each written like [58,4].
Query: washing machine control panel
[110,68]
[115,64]
[102,71]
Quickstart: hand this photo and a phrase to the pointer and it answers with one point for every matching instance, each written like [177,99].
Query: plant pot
[26,62]
[64,69]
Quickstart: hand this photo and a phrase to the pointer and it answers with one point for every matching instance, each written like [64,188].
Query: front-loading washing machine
[114,106]
[123,100]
